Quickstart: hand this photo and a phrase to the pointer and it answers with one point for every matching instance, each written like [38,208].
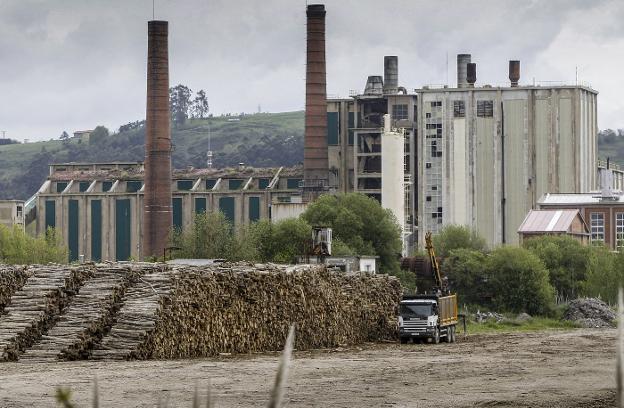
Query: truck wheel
[404,340]
[436,336]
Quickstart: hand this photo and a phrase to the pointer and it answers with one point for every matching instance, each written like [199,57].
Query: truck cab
[424,317]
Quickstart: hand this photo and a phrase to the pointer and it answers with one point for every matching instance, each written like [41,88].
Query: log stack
[12,278]
[37,305]
[243,308]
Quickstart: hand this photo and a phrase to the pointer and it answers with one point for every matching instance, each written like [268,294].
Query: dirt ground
[544,369]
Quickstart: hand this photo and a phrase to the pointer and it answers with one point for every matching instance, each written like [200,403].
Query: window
[619,231]
[185,185]
[485,109]
[19,211]
[399,112]
[597,227]
[459,109]
[436,104]
[132,186]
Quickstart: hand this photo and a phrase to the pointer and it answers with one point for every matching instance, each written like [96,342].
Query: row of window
[133,186]
[597,225]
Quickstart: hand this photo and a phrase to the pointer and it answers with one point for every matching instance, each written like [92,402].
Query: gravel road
[543,369]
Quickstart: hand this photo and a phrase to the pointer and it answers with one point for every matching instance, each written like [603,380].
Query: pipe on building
[462,65]
[391,75]
[157,211]
[514,72]
[471,74]
[315,157]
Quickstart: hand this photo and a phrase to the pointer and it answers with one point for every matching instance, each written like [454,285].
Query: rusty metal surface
[514,72]
[471,73]
[157,215]
[315,160]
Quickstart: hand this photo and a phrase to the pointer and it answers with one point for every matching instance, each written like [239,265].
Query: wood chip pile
[242,308]
[12,278]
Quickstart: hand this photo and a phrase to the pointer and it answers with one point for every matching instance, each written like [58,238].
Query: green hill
[264,139]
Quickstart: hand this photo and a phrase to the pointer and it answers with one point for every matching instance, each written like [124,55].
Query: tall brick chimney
[315,162]
[157,213]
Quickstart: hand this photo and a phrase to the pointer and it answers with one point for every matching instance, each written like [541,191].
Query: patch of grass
[511,325]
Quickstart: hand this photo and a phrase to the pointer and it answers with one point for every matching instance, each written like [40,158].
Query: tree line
[530,278]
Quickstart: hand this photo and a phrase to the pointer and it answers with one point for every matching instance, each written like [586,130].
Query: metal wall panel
[96,230]
[566,168]
[516,170]
[543,125]
[73,225]
[485,169]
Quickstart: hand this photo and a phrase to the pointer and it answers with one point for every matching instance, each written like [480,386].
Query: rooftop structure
[554,222]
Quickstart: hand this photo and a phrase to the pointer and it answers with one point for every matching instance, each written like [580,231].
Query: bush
[18,248]
[567,261]
[454,237]
[519,281]
[605,274]
[466,271]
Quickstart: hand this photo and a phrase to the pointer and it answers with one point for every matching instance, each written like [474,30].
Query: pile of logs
[86,319]
[12,278]
[242,308]
[137,316]
[37,305]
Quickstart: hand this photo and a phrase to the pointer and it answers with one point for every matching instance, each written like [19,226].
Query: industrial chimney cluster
[467,72]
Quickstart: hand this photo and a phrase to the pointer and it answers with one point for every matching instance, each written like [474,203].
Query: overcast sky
[74,64]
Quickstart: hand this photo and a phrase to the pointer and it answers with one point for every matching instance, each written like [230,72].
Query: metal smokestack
[157,214]
[462,62]
[471,74]
[514,72]
[315,161]
[391,74]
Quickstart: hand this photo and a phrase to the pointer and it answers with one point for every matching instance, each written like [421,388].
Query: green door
[200,205]
[254,209]
[177,214]
[226,206]
[73,230]
[122,229]
[50,214]
[96,230]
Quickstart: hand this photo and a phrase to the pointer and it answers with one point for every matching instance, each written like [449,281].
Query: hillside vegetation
[264,139]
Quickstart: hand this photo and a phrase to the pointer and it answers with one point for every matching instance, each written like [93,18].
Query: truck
[429,316]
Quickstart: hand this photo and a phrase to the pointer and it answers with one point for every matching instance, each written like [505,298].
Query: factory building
[12,213]
[98,208]
[473,155]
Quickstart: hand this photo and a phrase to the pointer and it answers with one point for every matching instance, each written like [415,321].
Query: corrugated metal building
[554,222]
[97,208]
[474,155]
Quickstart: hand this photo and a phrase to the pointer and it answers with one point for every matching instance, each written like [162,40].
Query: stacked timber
[137,316]
[12,278]
[242,308]
[86,319]
[36,306]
